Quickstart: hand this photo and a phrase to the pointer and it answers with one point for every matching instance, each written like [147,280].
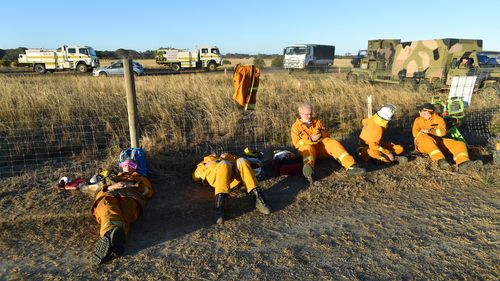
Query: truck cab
[210,57]
[308,56]
[483,64]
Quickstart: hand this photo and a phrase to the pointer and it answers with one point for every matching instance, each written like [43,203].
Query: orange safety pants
[436,148]
[116,211]
[366,153]
[223,177]
[324,149]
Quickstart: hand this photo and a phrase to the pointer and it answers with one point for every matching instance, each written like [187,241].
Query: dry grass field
[404,222]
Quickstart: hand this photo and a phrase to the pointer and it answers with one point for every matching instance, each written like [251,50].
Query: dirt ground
[404,222]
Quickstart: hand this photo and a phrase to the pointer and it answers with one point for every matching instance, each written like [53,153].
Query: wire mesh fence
[83,142]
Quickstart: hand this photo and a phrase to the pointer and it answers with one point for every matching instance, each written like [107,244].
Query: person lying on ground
[118,204]
[226,172]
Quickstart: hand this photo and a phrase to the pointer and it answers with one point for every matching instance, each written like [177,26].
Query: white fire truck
[204,57]
[79,58]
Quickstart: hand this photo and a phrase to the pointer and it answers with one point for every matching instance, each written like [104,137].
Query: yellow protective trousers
[366,153]
[116,211]
[324,149]
[223,177]
[437,148]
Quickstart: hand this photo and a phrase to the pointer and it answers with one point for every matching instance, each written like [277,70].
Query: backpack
[137,154]
[286,163]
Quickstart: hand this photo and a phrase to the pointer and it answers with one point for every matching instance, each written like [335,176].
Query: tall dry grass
[183,111]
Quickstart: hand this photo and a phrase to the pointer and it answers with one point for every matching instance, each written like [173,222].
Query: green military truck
[428,65]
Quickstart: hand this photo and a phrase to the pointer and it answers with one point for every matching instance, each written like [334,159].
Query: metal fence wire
[26,146]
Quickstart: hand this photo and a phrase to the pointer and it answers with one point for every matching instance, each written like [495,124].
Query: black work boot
[443,164]
[308,172]
[473,165]
[117,237]
[400,159]
[102,250]
[260,203]
[355,170]
[219,207]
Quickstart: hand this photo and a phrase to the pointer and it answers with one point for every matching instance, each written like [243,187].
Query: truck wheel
[176,67]
[490,91]
[353,78]
[212,66]
[82,68]
[39,68]
[424,87]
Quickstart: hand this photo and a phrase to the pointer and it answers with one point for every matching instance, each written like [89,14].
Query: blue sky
[242,26]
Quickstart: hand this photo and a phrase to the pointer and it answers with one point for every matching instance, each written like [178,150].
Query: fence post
[131,101]
[369,106]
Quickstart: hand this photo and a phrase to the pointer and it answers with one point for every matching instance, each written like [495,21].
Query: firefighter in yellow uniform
[371,145]
[226,172]
[311,139]
[429,131]
[119,203]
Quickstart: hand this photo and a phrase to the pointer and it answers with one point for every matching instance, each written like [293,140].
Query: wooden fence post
[131,101]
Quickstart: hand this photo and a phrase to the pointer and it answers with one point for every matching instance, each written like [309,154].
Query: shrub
[259,62]
[226,62]
[5,62]
[277,61]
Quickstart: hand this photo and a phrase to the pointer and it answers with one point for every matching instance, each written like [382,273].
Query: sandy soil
[405,222]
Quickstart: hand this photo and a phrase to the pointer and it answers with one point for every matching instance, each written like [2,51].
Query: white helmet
[386,111]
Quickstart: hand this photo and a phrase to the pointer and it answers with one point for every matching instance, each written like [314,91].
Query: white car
[116,68]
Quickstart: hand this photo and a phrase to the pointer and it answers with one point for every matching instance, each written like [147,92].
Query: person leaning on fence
[225,173]
[371,145]
[118,204]
[312,140]
[429,131]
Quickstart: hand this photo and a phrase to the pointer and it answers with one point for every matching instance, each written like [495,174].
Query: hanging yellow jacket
[302,132]
[141,189]
[246,83]
[435,125]
[373,132]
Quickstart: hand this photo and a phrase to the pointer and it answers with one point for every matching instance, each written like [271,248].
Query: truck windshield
[295,50]
[488,59]
[92,52]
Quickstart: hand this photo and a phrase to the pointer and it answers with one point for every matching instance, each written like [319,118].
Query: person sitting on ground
[311,139]
[226,172]
[371,145]
[118,204]
[429,131]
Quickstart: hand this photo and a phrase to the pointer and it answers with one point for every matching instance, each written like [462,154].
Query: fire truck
[203,58]
[78,58]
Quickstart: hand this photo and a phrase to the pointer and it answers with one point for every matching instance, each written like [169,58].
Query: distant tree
[277,61]
[227,62]
[13,54]
[2,53]
[259,61]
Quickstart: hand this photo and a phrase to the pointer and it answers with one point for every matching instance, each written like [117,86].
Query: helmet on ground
[386,111]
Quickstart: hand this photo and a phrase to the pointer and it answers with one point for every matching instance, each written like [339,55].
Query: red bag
[286,163]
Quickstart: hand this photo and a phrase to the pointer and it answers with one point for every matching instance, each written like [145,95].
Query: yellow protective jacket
[140,191]
[199,173]
[302,132]
[246,83]
[435,125]
[372,133]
